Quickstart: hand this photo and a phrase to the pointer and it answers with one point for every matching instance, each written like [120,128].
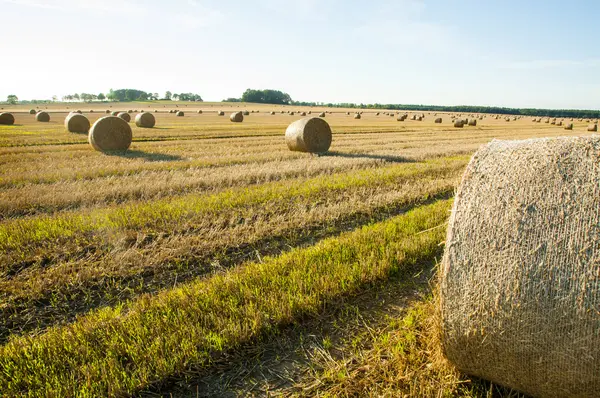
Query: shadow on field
[386,158]
[148,156]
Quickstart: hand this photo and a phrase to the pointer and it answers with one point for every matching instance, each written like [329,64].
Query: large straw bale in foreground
[145,120]
[520,282]
[110,133]
[77,123]
[311,134]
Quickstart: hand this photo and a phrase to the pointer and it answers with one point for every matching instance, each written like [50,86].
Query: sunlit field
[209,260]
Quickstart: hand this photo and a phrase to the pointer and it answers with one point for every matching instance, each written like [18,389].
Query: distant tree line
[263,97]
[573,113]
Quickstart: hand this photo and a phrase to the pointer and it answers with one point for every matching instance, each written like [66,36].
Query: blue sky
[507,53]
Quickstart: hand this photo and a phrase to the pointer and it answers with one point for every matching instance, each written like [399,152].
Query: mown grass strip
[115,352]
[14,235]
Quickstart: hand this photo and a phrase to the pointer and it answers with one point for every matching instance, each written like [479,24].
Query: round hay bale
[42,116]
[76,123]
[130,111]
[357,116]
[592,127]
[125,116]
[7,118]
[32,112]
[236,117]
[245,113]
[302,113]
[272,113]
[145,120]
[107,111]
[78,111]
[310,112]
[376,113]
[459,123]
[221,113]
[91,111]
[473,122]
[420,119]
[322,114]
[292,113]
[180,113]
[569,126]
[519,282]
[115,113]
[200,111]
[282,112]
[438,120]
[311,134]
[110,133]
[347,113]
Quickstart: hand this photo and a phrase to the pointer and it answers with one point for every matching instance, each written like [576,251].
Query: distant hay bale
[32,112]
[519,283]
[115,113]
[592,127]
[310,112]
[419,119]
[78,111]
[553,122]
[459,123]
[125,116]
[272,113]
[560,123]
[221,113]
[322,114]
[347,113]
[130,111]
[110,133]
[357,116]
[282,112]
[311,134]
[7,118]
[246,113]
[302,113]
[145,120]
[200,111]
[76,123]
[156,111]
[237,117]
[179,113]
[376,113]
[401,118]
[292,113]
[413,117]
[107,111]
[438,120]
[42,116]
[569,126]
[91,111]
[473,122]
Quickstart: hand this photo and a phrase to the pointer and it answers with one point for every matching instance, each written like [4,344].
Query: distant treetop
[266,97]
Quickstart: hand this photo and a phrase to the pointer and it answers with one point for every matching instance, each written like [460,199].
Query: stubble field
[210,260]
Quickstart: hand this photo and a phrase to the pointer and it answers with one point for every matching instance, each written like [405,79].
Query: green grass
[116,352]
[162,214]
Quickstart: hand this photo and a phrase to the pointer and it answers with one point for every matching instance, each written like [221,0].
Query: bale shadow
[148,156]
[385,158]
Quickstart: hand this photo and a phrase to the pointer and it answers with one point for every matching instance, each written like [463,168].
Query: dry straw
[110,133]
[7,118]
[236,117]
[311,134]
[519,282]
[42,116]
[145,120]
[125,116]
[76,123]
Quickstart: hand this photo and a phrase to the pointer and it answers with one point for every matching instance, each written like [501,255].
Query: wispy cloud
[198,15]
[95,5]
[551,64]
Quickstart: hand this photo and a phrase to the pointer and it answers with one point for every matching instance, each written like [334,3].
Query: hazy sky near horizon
[508,53]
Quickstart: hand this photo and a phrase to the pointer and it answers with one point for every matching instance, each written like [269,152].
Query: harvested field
[209,259]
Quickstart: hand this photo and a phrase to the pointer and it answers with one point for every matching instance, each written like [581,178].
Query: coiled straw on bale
[519,283]
[42,116]
[236,117]
[311,134]
[76,123]
[125,116]
[145,120]
[7,118]
[110,133]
